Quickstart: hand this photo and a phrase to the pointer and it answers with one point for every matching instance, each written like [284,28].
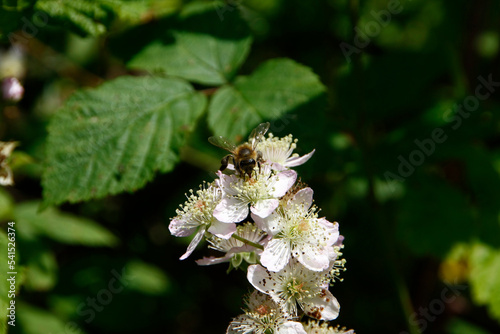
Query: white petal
[270,224]
[284,181]
[231,210]
[313,258]
[181,228]
[325,307]
[332,254]
[331,231]
[291,327]
[260,222]
[222,230]
[206,261]
[265,207]
[6,148]
[231,328]
[276,254]
[276,166]
[6,176]
[303,197]
[297,161]
[196,240]
[225,182]
[260,278]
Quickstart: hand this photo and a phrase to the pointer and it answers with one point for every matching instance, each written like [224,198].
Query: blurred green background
[407,160]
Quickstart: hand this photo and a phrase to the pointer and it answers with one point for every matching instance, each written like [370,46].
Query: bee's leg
[237,167]
[224,162]
[259,159]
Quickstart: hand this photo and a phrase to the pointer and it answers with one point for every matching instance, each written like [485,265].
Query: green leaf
[146,278]
[134,11]
[277,87]
[41,267]
[33,320]
[433,217]
[60,226]
[485,277]
[6,205]
[460,326]
[203,48]
[84,17]
[113,138]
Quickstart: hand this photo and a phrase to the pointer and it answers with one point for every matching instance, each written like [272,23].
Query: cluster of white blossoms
[267,224]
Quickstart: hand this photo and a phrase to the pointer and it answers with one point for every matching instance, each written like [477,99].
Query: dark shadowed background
[405,123]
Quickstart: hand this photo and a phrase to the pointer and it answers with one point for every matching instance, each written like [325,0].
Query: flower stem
[248,242]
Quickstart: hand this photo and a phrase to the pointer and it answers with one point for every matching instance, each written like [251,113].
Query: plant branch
[248,242]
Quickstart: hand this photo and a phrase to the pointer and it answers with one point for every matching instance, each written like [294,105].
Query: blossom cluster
[267,224]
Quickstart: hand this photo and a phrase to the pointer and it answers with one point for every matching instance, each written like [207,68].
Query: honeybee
[245,156]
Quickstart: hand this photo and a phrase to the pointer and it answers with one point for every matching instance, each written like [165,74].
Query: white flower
[197,216]
[233,246]
[296,285]
[12,90]
[314,327]
[297,231]
[263,316]
[279,151]
[260,192]
[6,177]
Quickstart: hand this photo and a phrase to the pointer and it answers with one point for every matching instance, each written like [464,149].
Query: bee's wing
[222,143]
[258,133]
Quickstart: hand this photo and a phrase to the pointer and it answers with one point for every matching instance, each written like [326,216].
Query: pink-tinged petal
[265,207]
[231,210]
[291,327]
[180,228]
[324,307]
[270,224]
[260,278]
[297,161]
[340,241]
[302,197]
[314,258]
[331,231]
[260,222]
[222,230]
[207,261]
[196,240]
[276,166]
[225,182]
[332,254]
[276,254]
[284,181]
